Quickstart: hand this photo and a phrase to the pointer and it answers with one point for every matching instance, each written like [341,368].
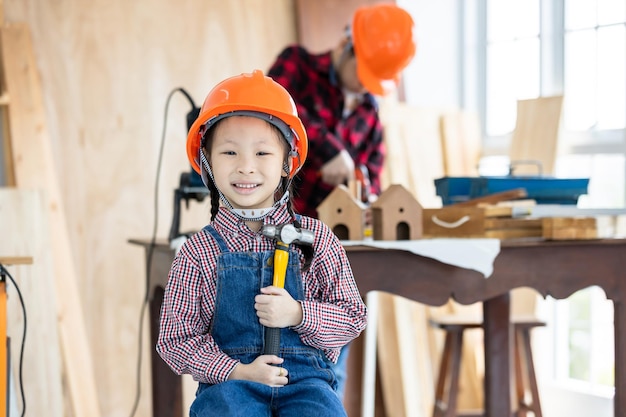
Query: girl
[247,144]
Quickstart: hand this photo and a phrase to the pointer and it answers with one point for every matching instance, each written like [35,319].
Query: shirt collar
[230,221]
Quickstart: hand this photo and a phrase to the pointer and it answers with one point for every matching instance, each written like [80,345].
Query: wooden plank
[24,225]
[510,223]
[16,260]
[34,168]
[7,176]
[414,158]
[461,143]
[570,228]
[496,210]
[453,221]
[536,134]
[403,358]
[512,233]
[494,198]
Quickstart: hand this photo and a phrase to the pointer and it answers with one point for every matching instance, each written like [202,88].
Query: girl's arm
[184,341]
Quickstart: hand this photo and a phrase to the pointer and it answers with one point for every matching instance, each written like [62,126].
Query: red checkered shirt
[312,82]
[333,311]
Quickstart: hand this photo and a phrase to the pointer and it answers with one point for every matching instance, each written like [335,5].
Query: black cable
[146,297]
[4,273]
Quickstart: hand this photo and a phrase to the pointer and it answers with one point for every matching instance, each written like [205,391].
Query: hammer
[284,234]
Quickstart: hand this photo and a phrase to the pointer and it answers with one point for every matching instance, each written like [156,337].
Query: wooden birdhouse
[397,215]
[343,214]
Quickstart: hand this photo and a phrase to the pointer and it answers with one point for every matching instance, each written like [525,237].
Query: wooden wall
[107,67]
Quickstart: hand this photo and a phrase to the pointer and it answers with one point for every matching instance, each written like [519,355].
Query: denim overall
[236,329]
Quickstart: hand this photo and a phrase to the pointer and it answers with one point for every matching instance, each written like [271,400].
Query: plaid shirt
[312,82]
[333,311]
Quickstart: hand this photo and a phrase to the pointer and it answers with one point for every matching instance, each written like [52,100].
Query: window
[512,60]
[518,49]
[595,65]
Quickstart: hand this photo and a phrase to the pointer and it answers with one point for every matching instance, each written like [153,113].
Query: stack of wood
[482,217]
[493,217]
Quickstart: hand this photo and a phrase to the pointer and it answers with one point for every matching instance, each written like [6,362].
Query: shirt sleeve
[290,70]
[184,341]
[337,315]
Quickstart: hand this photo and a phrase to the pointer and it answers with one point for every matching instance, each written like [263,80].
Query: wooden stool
[447,388]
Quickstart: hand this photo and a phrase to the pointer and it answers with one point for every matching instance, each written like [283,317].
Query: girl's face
[247,157]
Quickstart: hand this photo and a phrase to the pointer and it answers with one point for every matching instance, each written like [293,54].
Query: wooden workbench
[552,268]
[557,269]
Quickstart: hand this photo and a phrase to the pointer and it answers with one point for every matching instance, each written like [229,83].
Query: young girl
[247,144]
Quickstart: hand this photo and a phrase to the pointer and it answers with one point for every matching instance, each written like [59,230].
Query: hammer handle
[281,259]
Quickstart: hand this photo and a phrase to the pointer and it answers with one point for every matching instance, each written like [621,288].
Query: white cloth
[477,254]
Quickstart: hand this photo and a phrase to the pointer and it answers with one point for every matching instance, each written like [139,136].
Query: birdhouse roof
[340,196]
[394,195]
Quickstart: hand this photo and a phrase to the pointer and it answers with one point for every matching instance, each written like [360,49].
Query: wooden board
[403,357]
[461,143]
[414,156]
[536,134]
[105,97]
[453,221]
[25,231]
[34,168]
[570,228]
[492,199]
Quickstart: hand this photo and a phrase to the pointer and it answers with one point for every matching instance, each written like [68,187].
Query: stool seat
[447,387]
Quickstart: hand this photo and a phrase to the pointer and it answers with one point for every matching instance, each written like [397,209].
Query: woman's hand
[276,308]
[264,370]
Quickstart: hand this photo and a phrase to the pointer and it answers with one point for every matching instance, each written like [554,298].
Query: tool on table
[284,234]
[362,177]
[190,188]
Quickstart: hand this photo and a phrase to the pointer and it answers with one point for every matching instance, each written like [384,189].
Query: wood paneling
[321,23]
[25,232]
[107,68]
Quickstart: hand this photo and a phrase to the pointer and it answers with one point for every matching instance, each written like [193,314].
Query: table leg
[167,387]
[620,360]
[498,349]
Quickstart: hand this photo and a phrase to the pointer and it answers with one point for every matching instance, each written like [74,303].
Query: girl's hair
[284,186]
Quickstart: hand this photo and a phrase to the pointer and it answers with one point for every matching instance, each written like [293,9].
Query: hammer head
[288,233]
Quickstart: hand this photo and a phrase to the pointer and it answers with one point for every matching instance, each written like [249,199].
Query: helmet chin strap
[244,214]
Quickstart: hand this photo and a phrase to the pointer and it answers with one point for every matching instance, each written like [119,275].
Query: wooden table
[552,268]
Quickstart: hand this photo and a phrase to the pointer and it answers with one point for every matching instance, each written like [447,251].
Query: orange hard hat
[250,95]
[383,41]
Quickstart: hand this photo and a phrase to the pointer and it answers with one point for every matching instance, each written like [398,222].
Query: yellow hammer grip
[281,259]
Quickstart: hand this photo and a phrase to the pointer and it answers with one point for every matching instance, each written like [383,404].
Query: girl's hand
[276,308]
[264,370]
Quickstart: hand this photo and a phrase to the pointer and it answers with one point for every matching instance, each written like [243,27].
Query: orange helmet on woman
[382,36]
[250,95]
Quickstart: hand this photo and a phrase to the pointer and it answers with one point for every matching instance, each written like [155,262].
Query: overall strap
[218,238]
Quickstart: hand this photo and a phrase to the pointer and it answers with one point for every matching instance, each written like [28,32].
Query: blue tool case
[544,190]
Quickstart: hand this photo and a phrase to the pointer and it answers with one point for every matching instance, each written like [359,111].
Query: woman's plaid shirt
[312,82]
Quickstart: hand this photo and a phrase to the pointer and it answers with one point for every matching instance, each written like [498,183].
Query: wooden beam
[27,237]
[16,260]
[536,135]
[34,168]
